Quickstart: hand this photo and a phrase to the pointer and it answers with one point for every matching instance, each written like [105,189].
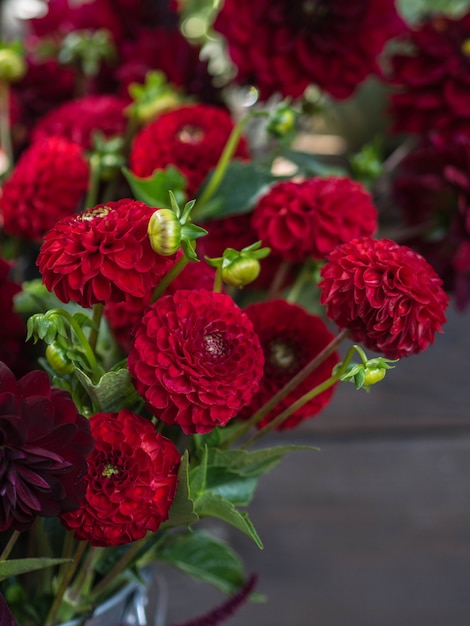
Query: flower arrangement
[171,299]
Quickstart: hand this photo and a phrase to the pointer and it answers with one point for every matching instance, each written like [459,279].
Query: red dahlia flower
[79,119]
[102,255]
[47,184]
[131,481]
[433,78]
[298,220]
[387,295]
[283,46]
[191,138]
[44,443]
[195,359]
[290,338]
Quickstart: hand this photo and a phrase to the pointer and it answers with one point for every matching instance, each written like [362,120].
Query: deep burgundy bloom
[301,220]
[102,254]
[290,337]
[13,349]
[78,119]
[44,443]
[131,481]
[49,180]
[386,295]
[195,359]
[191,138]
[432,189]
[283,46]
[6,618]
[432,78]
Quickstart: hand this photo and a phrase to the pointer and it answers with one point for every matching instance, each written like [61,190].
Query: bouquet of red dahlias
[168,297]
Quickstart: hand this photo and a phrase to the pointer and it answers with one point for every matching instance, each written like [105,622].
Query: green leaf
[182,511]
[15,567]
[213,505]
[113,391]
[309,165]
[233,486]
[238,191]
[155,189]
[204,558]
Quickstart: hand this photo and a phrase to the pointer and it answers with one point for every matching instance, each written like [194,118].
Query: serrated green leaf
[15,567]
[252,463]
[197,475]
[113,391]
[155,189]
[182,509]
[231,485]
[213,505]
[204,558]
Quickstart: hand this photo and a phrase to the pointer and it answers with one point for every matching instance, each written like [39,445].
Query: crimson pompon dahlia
[47,184]
[284,46]
[195,359]
[44,443]
[290,337]
[102,255]
[78,119]
[301,220]
[191,138]
[131,481]
[432,78]
[386,295]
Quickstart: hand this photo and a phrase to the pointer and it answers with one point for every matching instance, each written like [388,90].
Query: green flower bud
[282,121]
[241,272]
[57,359]
[373,375]
[12,66]
[164,231]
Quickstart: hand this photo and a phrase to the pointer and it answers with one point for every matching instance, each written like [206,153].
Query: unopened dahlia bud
[373,375]
[57,359]
[241,272]
[12,65]
[164,230]
[281,121]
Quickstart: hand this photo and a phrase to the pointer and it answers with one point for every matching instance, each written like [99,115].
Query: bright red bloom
[290,337]
[386,295]
[13,349]
[44,443]
[131,481]
[432,78]
[102,255]
[191,138]
[79,119]
[195,359]
[283,46]
[49,181]
[299,220]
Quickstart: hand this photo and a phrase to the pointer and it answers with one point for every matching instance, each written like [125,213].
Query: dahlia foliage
[169,296]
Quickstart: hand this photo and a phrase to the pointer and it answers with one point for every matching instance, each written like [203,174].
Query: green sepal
[154,190]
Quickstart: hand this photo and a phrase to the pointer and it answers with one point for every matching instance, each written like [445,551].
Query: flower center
[191,135]
[109,471]
[282,356]
[215,345]
[308,13]
[89,215]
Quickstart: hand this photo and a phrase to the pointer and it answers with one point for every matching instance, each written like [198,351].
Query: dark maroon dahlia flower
[77,120]
[191,138]
[49,180]
[386,295]
[195,359]
[44,443]
[13,349]
[283,46]
[301,220]
[102,255]
[131,481]
[290,337]
[433,78]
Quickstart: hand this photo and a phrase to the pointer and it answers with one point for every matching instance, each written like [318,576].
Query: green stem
[224,160]
[295,406]
[8,548]
[119,567]
[84,578]
[50,619]
[300,281]
[177,268]
[97,315]
[278,280]
[5,131]
[93,182]
[289,386]
[217,288]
